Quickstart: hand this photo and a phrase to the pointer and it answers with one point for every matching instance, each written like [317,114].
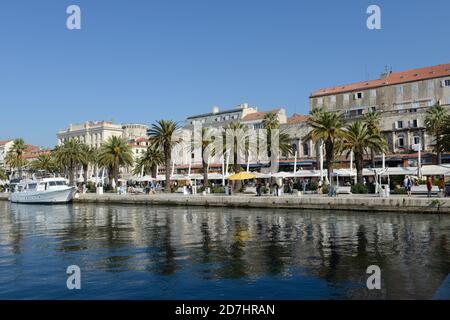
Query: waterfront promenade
[362,203]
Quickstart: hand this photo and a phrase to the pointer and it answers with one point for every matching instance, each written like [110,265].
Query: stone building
[94,133]
[402,98]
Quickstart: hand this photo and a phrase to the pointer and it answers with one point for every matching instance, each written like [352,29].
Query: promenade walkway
[366,203]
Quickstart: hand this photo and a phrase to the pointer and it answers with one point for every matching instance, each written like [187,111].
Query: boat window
[52,183]
[32,186]
[60,183]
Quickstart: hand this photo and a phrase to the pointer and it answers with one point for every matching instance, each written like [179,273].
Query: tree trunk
[205,174]
[71,175]
[168,161]
[372,156]
[359,168]
[438,150]
[329,148]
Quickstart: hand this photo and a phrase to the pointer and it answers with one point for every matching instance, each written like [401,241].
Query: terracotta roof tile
[258,115]
[441,70]
[297,118]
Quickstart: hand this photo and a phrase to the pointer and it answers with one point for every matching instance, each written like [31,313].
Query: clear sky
[140,61]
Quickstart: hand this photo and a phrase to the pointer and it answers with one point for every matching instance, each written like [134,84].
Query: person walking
[429,186]
[407,184]
[304,184]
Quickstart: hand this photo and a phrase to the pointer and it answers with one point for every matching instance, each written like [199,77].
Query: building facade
[402,98]
[95,133]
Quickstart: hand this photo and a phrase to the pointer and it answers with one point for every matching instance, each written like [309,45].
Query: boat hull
[51,196]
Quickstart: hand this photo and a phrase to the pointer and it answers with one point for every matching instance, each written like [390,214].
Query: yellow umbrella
[242,176]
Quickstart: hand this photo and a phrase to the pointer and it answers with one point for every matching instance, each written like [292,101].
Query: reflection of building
[402,98]
[94,133]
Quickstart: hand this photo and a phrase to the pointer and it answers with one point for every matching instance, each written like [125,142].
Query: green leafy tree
[46,163]
[359,139]
[69,156]
[163,136]
[149,161]
[436,122]
[272,125]
[15,157]
[327,127]
[373,121]
[114,154]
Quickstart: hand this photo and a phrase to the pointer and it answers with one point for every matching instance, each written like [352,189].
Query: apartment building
[5,146]
[94,133]
[402,98]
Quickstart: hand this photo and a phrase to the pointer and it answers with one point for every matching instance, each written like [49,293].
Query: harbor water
[145,252]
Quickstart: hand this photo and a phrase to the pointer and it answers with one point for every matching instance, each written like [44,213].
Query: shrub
[360,188]
[325,189]
[398,191]
[313,186]
[218,190]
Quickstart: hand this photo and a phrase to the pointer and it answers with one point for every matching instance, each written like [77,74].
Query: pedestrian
[429,186]
[319,187]
[304,184]
[407,184]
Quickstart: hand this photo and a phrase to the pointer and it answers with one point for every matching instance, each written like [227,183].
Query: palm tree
[271,123]
[373,121]
[327,127]
[206,142]
[358,138]
[236,132]
[436,121]
[115,153]
[162,136]
[14,159]
[69,157]
[45,162]
[3,175]
[90,158]
[149,161]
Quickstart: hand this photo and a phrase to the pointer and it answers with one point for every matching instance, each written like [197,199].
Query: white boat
[48,190]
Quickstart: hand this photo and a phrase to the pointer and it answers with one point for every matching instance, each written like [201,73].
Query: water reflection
[160,252]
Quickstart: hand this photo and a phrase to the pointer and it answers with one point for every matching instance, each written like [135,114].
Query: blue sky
[140,61]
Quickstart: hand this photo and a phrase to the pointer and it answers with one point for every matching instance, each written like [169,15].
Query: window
[416,140]
[373,109]
[346,98]
[413,123]
[399,124]
[430,87]
[319,101]
[358,96]
[306,149]
[333,101]
[373,93]
[401,141]
[446,83]
[399,92]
